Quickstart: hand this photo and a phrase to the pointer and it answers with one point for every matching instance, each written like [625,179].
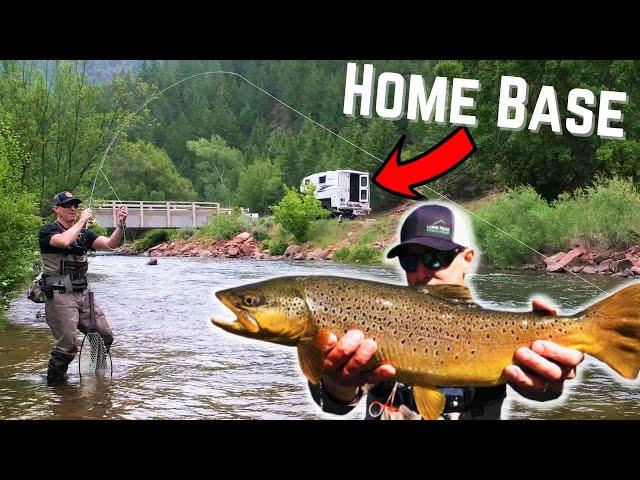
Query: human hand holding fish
[542,370]
[348,365]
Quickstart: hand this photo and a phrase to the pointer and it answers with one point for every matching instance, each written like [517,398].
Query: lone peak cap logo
[433,226]
[439,227]
[65,197]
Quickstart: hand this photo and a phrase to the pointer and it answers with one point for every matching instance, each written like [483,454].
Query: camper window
[363,181]
[322,179]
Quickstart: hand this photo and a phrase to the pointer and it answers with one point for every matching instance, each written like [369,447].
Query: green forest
[217,138]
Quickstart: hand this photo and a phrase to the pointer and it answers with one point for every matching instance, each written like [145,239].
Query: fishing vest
[64,272]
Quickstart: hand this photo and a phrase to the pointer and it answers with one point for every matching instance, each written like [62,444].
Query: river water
[169,362]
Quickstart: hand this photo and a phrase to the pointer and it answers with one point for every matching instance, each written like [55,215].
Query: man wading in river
[63,248]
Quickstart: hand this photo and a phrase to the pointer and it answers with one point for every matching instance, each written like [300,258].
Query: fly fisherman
[436,248]
[63,248]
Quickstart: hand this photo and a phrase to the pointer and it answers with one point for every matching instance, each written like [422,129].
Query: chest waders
[66,274]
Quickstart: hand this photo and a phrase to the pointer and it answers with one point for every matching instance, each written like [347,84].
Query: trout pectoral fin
[311,356]
[311,361]
[429,400]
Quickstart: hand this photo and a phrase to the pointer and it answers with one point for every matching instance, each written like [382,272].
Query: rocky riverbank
[243,245]
[624,263]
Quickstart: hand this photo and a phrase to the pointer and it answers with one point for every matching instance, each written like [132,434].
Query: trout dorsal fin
[311,356]
[449,293]
[429,400]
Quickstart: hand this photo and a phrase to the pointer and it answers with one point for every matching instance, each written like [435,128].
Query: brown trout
[433,335]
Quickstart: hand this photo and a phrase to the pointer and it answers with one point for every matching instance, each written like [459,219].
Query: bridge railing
[143,214]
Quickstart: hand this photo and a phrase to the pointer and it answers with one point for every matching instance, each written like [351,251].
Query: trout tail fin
[616,339]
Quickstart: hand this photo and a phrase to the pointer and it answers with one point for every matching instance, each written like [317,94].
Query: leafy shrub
[296,211]
[222,227]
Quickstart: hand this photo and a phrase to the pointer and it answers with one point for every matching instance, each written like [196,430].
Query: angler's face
[453,274]
[273,313]
[66,211]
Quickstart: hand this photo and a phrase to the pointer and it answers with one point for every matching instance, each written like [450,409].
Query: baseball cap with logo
[65,197]
[434,226]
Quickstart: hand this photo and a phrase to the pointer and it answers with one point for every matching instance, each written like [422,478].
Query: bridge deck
[159,214]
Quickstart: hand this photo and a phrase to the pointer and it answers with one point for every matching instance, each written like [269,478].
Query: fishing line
[157,95]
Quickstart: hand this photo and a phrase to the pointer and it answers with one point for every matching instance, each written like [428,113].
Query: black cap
[432,226]
[65,197]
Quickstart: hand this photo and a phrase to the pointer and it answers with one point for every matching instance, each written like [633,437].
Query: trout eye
[251,300]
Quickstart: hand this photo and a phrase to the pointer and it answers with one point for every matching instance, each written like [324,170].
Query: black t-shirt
[80,247]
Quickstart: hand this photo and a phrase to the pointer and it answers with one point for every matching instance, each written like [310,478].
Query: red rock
[246,249]
[634,259]
[559,260]
[622,265]
[292,250]
[318,255]
[601,257]
[299,256]
[604,267]
[204,253]
[157,247]
[627,273]
[232,251]
[635,270]
[588,269]
[242,237]
[551,261]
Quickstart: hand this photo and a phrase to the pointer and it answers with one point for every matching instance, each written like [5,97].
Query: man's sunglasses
[69,205]
[432,259]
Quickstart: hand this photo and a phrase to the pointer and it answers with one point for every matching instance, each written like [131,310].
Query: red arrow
[401,179]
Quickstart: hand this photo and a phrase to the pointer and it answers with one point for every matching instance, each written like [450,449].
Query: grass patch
[328,231]
[362,254]
[606,215]
[222,227]
[151,238]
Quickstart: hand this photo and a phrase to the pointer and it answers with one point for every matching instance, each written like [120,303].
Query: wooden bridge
[159,214]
